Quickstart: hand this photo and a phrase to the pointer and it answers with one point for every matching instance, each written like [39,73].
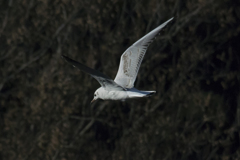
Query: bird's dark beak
[93,101]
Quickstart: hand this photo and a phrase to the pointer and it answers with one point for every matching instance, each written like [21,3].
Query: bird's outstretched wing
[104,80]
[132,58]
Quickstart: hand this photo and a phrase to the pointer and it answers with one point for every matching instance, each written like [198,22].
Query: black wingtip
[69,60]
[65,57]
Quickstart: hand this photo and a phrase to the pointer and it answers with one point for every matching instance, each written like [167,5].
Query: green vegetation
[194,65]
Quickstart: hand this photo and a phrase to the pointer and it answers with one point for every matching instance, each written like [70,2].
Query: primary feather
[104,80]
[132,58]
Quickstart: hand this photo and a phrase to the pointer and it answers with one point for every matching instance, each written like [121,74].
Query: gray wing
[104,80]
[132,58]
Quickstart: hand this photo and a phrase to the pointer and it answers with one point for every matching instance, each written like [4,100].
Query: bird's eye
[94,95]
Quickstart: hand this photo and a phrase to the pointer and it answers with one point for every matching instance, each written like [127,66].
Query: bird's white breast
[112,95]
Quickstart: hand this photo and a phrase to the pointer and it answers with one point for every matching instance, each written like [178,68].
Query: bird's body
[122,87]
[111,94]
[121,95]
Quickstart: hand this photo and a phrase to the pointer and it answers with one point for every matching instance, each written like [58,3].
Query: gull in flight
[122,87]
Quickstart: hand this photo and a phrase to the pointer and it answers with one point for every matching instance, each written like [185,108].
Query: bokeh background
[194,65]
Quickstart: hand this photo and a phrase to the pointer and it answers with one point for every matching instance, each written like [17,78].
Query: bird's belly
[116,95]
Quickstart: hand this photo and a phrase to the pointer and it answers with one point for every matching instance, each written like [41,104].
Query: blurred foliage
[45,110]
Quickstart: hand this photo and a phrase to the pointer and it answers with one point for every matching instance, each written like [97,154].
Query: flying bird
[122,87]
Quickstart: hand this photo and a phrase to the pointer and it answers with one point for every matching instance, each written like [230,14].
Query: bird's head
[96,95]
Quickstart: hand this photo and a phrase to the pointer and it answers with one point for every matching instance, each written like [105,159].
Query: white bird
[122,87]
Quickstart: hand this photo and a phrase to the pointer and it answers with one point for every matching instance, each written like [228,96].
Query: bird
[122,87]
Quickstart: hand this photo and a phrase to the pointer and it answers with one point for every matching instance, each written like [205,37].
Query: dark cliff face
[194,65]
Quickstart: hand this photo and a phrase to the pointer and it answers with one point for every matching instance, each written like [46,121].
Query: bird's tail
[148,93]
[134,93]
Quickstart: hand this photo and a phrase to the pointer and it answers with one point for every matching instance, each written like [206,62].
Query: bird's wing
[104,80]
[132,58]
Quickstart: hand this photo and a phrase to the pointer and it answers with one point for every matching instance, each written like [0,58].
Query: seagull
[122,87]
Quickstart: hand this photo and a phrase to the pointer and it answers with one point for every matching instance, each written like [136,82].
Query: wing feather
[132,58]
[104,80]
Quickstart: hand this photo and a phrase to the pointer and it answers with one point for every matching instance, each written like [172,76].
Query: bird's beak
[93,101]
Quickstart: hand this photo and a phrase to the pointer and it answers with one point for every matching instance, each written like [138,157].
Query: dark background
[45,110]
